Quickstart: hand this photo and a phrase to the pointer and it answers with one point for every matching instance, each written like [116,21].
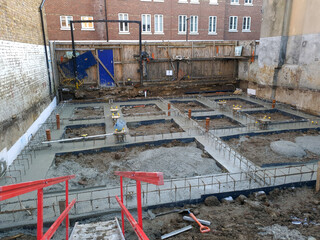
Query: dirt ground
[87,113]
[217,123]
[185,106]
[242,103]
[275,116]
[258,150]
[291,214]
[151,109]
[157,128]
[90,131]
[175,160]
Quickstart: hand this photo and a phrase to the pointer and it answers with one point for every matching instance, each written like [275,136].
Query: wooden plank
[318,178]
[104,67]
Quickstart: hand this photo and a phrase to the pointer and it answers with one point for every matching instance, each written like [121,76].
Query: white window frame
[67,19]
[213,2]
[214,25]
[194,2]
[248,2]
[234,2]
[183,24]
[121,17]
[246,24]
[85,26]
[158,25]
[234,27]
[144,20]
[194,23]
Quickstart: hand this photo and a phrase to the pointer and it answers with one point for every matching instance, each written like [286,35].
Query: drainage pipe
[106,17]
[45,46]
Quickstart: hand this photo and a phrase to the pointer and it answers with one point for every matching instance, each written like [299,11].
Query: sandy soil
[189,105]
[276,116]
[175,160]
[257,148]
[90,131]
[218,123]
[141,109]
[244,104]
[247,219]
[87,113]
[157,128]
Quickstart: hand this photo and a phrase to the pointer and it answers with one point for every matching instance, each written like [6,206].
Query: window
[146,23]
[235,2]
[212,25]
[233,24]
[194,2]
[65,22]
[87,25]
[246,24]
[214,2]
[123,27]
[158,23]
[194,24]
[247,2]
[182,23]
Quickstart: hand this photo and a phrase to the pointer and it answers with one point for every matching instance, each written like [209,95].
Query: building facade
[162,20]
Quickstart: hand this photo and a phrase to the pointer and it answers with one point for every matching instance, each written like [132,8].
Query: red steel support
[149,177]
[169,107]
[273,103]
[140,233]
[67,204]
[189,114]
[122,213]
[139,207]
[40,214]
[14,190]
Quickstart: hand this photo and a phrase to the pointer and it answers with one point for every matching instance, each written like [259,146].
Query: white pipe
[78,138]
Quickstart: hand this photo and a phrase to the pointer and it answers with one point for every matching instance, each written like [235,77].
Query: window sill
[213,33]
[233,30]
[124,33]
[246,31]
[158,0]
[146,33]
[236,4]
[248,4]
[194,33]
[194,2]
[214,4]
[87,29]
[66,29]
[183,2]
[182,33]
[159,33]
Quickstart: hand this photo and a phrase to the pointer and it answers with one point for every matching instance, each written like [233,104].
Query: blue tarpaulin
[84,61]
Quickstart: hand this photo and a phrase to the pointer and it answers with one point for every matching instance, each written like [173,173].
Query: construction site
[162,140]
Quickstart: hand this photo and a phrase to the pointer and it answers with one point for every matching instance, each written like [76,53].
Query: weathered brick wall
[23,74]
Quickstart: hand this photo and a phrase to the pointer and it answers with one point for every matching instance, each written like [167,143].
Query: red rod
[40,214]
[67,216]
[122,213]
[139,207]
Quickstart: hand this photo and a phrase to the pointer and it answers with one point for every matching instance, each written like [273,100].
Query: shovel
[203,229]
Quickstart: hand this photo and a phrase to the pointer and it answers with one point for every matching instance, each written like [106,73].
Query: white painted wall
[23,77]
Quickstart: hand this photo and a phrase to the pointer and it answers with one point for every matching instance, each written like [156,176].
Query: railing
[10,191]
[155,178]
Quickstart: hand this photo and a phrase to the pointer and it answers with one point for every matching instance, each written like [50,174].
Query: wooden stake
[318,178]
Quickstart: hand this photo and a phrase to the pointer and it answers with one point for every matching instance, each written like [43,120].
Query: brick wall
[23,74]
[170,9]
